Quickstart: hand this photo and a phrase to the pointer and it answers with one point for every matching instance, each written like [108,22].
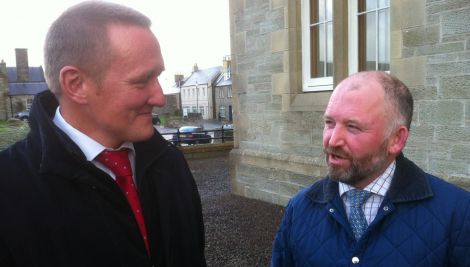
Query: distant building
[19,85]
[172,98]
[197,92]
[223,92]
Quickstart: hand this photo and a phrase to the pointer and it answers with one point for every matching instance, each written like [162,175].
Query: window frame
[353,36]
[311,84]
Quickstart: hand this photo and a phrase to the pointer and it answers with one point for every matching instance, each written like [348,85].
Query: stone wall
[434,60]
[3,97]
[277,142]
[172,106]
[278,129]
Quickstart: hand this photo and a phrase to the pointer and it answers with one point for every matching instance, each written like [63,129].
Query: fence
[198,136]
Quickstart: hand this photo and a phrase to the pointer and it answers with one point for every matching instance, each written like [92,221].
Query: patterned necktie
[357,219]
[118,163]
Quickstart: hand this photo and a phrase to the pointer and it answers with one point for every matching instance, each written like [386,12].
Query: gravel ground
[239,231]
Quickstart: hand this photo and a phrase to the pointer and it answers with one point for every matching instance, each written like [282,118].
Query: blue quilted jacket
[423,221]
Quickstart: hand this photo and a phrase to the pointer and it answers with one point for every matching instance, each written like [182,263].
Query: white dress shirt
[91,148]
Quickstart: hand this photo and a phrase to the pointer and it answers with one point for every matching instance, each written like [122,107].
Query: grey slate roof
[27,88]
[36,83]
[36,74]
[223,81]
[203,76]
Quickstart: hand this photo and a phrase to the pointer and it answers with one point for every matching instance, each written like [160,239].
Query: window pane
[321,10]
[371,41]
[367,5]
[317,43]
[222,112]
[314,11]
[317,35]
[384,40]
[329,50]
[314,51]
[329,10]
[384,3]
[367,41]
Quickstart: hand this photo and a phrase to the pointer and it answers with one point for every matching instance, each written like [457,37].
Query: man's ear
[72,83]
[397,140]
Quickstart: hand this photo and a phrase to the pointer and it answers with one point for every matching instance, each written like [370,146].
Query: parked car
[228,132]
[156,119]
[191,135]
[22,115]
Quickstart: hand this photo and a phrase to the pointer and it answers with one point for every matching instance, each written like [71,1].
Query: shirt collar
[87,145]
[379,186]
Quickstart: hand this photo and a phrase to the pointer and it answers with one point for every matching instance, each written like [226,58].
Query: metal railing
[202,137]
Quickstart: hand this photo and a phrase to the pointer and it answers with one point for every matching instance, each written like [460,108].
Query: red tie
[118,163]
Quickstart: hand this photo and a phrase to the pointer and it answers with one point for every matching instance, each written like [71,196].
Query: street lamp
[197,98]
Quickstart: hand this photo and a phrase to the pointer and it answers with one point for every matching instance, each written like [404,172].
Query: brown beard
[360,169]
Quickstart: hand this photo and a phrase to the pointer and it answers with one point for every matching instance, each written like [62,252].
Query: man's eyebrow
[145,75]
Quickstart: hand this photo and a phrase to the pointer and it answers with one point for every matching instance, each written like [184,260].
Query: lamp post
[197,98]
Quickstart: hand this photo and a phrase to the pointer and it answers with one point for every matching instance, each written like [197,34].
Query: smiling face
[355,132]
[119,106]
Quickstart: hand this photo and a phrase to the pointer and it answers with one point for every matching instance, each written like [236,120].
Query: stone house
[287,56]
[223,93]
[19,85]
[198,92]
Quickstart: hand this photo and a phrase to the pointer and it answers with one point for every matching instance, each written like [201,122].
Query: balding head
[398,99]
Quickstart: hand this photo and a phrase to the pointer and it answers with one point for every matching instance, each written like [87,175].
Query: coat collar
[409,184]
[57,153]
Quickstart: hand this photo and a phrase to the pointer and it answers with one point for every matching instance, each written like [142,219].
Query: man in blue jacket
[93,183]
[375,207]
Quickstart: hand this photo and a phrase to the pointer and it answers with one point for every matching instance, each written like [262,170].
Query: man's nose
[336,137]
[157,98]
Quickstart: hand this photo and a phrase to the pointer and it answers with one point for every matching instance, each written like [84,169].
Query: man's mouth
[336,157]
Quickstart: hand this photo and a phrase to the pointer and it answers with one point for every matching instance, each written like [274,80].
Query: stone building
[19,85]
[197,92]
[172,98]
[287,56]
[223,93]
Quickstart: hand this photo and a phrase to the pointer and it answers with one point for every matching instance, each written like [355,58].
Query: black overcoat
[58,209]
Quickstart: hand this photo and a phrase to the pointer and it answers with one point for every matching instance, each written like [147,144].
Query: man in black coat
[60,205]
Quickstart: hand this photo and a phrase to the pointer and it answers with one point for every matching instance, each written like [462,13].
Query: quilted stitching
[428,232]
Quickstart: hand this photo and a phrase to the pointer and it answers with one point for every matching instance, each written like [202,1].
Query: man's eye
[353,127]
[139,84]
[329,123]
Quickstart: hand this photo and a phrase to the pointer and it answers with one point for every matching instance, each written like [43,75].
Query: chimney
[195,68]
[227,66]
[178,79]
[3,68]
[22,67]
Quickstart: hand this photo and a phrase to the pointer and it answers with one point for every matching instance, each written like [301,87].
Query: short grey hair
[398,99]
[79,38]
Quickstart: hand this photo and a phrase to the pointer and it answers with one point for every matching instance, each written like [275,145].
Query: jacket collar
[409,184]
[57,153]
